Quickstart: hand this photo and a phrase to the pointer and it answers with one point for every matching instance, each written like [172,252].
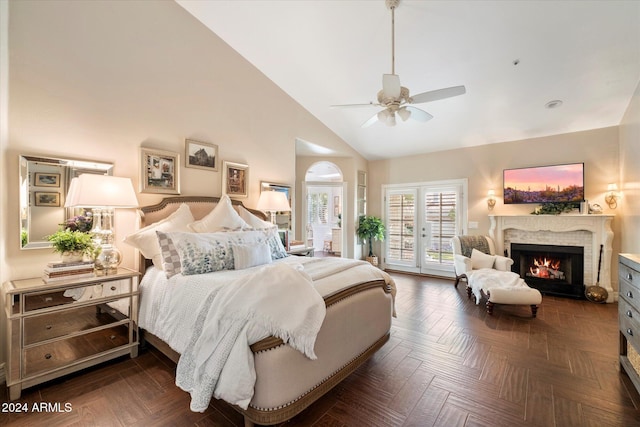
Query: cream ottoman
[502,287]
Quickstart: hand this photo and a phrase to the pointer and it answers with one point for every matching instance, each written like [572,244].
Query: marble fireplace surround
[589,231]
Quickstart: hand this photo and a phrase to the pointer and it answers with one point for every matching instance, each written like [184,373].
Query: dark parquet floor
[447,363]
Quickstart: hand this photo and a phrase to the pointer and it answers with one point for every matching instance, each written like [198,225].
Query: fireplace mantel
[598,225]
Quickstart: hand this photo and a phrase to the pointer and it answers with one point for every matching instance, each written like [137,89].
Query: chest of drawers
[58,328]
[629,316]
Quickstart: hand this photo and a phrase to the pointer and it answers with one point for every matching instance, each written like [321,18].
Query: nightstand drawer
[39,300]
[57,354]
[43,327]
[629,319]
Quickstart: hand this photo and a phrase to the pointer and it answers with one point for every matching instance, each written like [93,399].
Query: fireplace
[552,269]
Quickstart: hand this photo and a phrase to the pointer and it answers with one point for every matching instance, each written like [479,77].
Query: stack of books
[56,271]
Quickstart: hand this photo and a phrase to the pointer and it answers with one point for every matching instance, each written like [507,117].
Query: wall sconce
[612,196]
[491,199]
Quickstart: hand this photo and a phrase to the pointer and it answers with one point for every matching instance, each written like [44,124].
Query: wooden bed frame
[279,368]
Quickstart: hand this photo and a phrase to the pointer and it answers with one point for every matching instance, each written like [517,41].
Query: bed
[357,310]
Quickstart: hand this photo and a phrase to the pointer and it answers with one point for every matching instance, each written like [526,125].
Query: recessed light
[553,104]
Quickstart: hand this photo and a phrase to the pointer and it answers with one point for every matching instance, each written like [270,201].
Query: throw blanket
[178,310]
[469,243]
[486,278]
[276,299]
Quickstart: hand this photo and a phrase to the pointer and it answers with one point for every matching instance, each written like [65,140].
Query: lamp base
[108,260]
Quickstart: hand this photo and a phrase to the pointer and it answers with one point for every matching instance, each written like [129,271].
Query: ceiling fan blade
[418,114]
[370,104]
[391,85]
[435,95]
[371,121]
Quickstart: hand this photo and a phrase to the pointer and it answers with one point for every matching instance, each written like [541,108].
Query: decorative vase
[74,256]
[373,260]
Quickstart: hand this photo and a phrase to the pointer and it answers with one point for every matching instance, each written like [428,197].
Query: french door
[421,219]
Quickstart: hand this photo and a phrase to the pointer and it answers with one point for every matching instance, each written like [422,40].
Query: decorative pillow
[255,222]
[275,244]
[170,257]
[481,260]
[146,241]
[222,217]
[207,252]
[245,256]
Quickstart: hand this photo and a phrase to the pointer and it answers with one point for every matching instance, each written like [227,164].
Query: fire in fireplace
[552,269]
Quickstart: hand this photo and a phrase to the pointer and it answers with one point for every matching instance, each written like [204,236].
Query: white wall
[630,175]
[484,165]
[98,80]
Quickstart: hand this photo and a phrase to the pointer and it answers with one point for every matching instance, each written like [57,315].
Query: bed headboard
[199,205]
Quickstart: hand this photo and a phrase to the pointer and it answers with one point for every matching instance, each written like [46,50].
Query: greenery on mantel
[554,208]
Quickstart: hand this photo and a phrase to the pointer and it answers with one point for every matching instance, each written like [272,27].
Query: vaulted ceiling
[513,57]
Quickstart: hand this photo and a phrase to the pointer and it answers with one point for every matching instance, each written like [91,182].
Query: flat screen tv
[544,184]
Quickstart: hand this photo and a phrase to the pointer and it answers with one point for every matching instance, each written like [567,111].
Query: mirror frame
[70,168]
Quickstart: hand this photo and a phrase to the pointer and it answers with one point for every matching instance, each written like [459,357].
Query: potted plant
[370,228]
[72,245]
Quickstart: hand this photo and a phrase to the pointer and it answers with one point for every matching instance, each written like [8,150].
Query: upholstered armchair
[475,252]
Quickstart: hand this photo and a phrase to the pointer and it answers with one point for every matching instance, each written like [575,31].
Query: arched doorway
[324,208]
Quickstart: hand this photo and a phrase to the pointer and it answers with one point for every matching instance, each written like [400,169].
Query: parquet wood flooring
[447,363]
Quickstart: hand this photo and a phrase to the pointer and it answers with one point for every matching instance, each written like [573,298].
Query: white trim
[418,266]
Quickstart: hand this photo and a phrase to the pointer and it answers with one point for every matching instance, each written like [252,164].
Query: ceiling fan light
[391,119]
[404,113]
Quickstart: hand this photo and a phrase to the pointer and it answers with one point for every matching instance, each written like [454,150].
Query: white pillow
[481,260]
[222,217]
[202,253]
[245,256]
[253,220]
[146,240]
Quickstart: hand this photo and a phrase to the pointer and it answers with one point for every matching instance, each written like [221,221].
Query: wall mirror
[44,183]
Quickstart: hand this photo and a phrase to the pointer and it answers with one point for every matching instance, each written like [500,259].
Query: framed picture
[47,199]
[159,171]
[44,179]
[284,220]
[235,179]
[201,155]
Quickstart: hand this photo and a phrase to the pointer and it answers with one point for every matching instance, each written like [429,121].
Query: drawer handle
[629,276]
[629,313]
[113,288]
[629,294]
[629,331]
[48,299]
[47,356]
[48,327]
[113,311]
[113,337]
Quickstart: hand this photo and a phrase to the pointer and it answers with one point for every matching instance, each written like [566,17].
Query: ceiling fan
[395,98]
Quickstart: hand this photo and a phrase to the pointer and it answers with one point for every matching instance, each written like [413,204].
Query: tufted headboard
[199,205]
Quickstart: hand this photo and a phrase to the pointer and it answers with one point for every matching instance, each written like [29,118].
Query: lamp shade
[101,191]
[273,201]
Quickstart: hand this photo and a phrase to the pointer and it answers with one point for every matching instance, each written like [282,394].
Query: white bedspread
[212,319]
[484,279]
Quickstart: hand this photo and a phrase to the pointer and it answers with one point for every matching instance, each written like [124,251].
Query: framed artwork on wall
[44,179]
[159,171]
[201,155]
[47,199]
[235,179]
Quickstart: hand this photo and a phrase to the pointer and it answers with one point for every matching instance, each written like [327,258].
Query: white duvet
[212,319]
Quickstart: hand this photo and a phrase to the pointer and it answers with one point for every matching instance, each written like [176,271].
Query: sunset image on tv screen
[546,184]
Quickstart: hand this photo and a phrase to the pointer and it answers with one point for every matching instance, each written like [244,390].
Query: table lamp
[102,193]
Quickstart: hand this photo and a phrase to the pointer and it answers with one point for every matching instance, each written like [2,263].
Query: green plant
[70,241]
[370,228]
[554,208]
